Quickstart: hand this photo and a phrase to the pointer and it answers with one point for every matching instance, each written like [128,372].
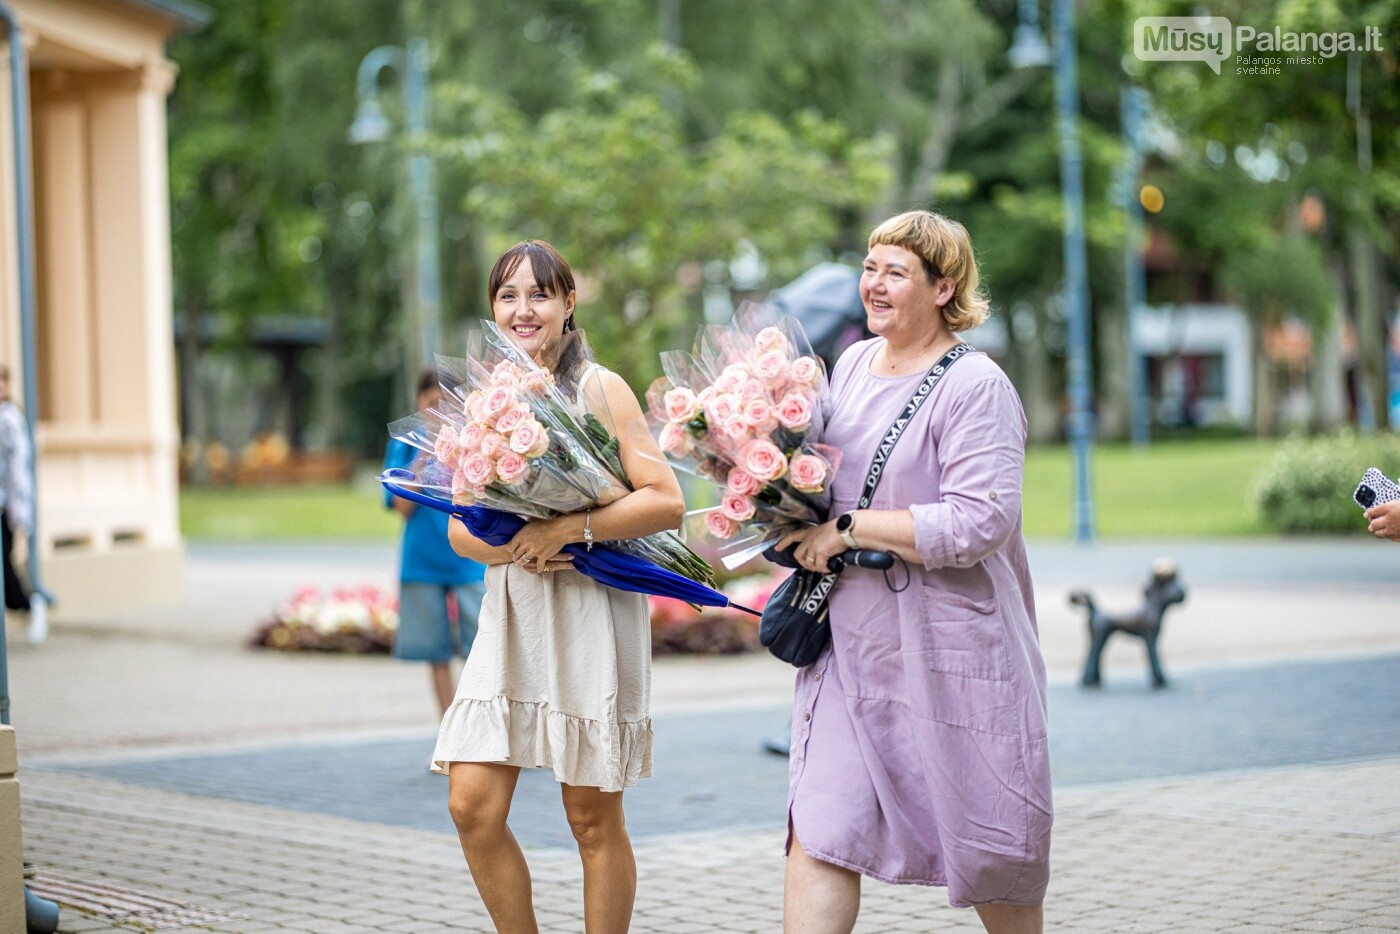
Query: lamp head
[1028,48]
[370,124]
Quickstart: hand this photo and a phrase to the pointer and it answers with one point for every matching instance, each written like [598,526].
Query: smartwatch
[845,527]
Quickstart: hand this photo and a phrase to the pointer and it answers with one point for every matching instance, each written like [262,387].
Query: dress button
[817,676]
[992,495]
[807,715]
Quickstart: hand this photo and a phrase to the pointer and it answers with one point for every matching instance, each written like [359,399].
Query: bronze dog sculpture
[1162,590]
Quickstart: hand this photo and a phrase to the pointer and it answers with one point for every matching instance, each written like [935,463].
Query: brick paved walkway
[1259,793]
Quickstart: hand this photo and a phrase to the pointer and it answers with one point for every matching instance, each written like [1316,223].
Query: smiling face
[530,312]
[901,303]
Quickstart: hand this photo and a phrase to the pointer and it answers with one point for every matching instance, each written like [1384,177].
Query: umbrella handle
[394,479]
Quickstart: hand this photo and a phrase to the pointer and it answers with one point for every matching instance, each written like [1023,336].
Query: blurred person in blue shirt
[436,585]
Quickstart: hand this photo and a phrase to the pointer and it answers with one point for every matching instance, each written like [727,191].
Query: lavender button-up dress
[919,736]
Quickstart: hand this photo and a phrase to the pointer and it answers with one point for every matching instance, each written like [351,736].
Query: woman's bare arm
[469,546]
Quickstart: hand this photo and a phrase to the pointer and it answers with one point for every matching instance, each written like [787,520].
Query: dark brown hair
[552,272]
[427,381]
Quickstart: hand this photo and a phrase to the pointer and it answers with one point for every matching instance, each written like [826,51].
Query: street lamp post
[1081,416]
[1134,107]
[371,126]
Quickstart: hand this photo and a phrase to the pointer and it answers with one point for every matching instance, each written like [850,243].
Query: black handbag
[795,626]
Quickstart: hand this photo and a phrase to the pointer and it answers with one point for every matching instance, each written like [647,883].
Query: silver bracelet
[587,532]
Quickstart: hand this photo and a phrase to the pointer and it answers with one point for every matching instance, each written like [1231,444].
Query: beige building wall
[107,437]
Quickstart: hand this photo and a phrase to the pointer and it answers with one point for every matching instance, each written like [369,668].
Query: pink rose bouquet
[513,436]
[744,410]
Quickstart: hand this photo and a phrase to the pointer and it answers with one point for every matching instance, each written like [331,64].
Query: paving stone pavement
[1307,849]
[711,773]
[1260,793]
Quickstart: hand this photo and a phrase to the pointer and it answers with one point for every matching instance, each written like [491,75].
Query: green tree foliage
[1246,149]
[608,176]
[559,120]
[787,128]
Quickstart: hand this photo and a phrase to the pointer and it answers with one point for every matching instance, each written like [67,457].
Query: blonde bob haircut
[946,251]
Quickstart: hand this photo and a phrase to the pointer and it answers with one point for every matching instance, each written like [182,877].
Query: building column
[11,846]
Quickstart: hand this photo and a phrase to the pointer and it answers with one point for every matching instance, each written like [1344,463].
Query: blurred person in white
[17,510]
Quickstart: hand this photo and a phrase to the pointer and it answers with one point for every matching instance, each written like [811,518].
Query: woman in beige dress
[560,674]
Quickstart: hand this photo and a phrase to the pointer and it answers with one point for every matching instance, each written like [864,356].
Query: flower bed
[363,621]
[359,620]
[678,629]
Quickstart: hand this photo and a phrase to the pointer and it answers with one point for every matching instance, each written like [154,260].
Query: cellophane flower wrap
[513,436]
[744,409]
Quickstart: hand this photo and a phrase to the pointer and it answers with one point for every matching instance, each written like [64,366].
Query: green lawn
[1173,488]
[276,513]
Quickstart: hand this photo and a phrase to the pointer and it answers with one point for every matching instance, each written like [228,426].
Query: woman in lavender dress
[919,737]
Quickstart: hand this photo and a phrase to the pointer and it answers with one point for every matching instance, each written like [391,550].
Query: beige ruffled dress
[559,677]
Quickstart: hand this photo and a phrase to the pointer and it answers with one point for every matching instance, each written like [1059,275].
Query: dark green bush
[1307,487]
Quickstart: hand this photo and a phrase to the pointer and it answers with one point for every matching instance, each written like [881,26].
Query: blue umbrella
[604,564]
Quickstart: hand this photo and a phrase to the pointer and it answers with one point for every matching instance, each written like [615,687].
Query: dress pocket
[963,636]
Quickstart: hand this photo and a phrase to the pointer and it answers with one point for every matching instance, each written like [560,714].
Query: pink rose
[512,417]
[728,382]
[445,445]
[770,339]
[804,371]
[471,406]
[505,373]
[736,507]
[721,408]
[742,482]
[720,525]
[459,483]
[493,445]
[496,403]
[763,459]
[537,382]
[771,367]
[478,470]
[706,394]
[681,405]
[530,439]
[808,473]
[760,415]
[675,440]
[471,437]
[512,468]
[752,389]
[735,431]
[795,411]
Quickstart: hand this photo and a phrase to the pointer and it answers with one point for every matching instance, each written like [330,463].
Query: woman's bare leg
[444,685]
[1012,919]
[609,869]
[479,799]
[818,898]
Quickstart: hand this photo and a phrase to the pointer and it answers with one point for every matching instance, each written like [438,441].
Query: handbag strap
[906,415]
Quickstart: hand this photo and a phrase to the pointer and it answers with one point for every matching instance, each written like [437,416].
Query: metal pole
[1081,416]
[425,202]
[24,216]
[40,914]
[19,97]
[1134,280]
